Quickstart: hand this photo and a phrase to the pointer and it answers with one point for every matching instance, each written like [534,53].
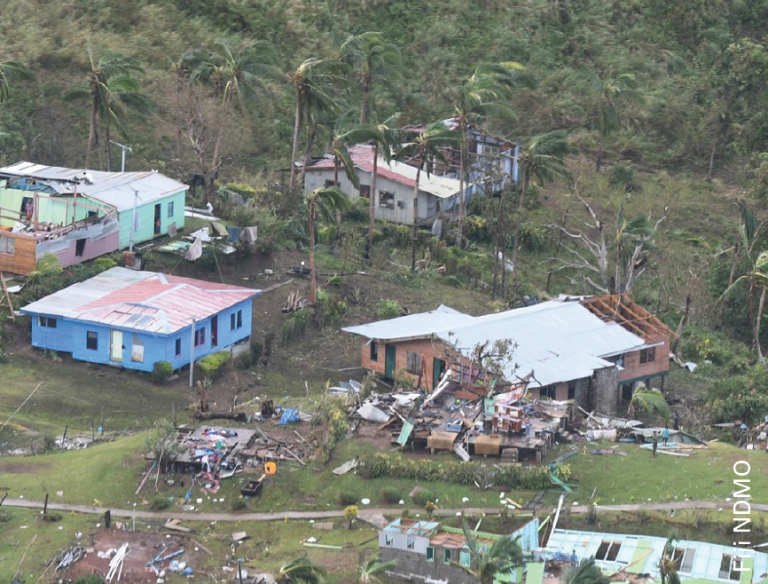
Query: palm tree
[12,70]
[544,159]
[311,80]
[483,94]
[757,279]
[423,147]
[96,88]
[373,568]
[300,571]
[386,135]
[374,60]
[608,92]
[649,401]
[668,564]
[585,572]
[238,74]
[122,96]
[325,202]
[488,562]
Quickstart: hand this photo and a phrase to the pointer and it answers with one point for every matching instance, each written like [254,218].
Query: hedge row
[512,477]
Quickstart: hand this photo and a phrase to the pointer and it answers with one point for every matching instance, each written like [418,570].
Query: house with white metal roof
[133,319]
[395,183]
[78,215]
[594,350]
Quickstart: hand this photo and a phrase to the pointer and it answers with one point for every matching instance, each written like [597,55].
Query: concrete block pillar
[605,386]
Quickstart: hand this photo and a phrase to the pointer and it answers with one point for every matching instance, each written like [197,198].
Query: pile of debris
[468,416]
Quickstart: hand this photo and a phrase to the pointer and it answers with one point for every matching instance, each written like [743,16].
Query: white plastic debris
[312,540]
[401,502]
[199,501]
[464,499]
[365,501]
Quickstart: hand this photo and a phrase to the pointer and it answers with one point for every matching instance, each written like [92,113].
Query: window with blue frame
[92,341]
[430,554]
[46,322]
[178,347]
[236,320]
[199,337]
[170,209]
[464,559]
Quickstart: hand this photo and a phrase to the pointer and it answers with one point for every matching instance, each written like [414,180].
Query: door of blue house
[389,361]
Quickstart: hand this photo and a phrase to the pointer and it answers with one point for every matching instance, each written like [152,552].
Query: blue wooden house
[134,319]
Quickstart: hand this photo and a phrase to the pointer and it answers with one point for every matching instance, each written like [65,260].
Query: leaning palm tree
[238,75]
[385,136]
[425,146]
[489,562]
[585,572]
[122,96]
[757,281]
[483,94]
[374,60]
[323,202]
[12,70]
[668,564]
[300,571]
[542,160]
[95,87]
[312,83]
[373,568]
[608,92]
[343,135]
[649,401]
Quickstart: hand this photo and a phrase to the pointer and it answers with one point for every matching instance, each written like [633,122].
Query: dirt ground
[142,547]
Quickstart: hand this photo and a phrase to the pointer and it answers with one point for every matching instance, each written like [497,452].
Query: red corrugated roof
[362,158]
[163,304]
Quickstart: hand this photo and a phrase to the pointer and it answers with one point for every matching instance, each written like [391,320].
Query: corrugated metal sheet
[640,554]
[112,188]
[399,172]
[558,340]
[141,301]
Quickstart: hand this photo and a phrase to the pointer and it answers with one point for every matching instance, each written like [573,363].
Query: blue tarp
[290,416]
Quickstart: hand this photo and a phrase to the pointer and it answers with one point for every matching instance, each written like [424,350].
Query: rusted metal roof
[141,301]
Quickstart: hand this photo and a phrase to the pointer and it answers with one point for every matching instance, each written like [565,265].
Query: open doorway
[158,215]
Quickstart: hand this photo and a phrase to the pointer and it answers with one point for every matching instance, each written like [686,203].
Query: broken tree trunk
[237,416]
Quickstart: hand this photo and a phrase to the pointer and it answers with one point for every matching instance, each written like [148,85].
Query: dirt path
[128,513]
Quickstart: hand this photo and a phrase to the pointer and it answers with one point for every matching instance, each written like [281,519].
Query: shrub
[464,473]
[161,371]
[257,350]
[90,579]
[104,263]
[212,365]
[160,503]
[390,495]
[346,499]
[623,175]
[386,309]
[423,497]
[238,505]
[244,360]
[295,324]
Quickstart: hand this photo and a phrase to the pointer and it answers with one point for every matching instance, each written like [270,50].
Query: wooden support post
[64,436]
[7,296]
[45,506]
[93,432]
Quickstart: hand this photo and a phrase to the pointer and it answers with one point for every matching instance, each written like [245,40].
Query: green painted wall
[50,210]
[145,228]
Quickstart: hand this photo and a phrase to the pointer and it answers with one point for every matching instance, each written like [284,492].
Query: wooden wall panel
[23,261]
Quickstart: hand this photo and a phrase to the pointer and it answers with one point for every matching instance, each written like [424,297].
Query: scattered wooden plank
[175,525]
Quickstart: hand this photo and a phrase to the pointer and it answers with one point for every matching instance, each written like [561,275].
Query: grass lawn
[638,477]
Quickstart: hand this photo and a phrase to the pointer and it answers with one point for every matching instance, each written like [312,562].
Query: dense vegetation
[666,83]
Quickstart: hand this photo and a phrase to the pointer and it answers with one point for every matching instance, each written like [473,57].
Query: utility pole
[122,147]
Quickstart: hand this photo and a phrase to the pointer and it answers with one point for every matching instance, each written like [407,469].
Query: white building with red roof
[134,319]
[395,185]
